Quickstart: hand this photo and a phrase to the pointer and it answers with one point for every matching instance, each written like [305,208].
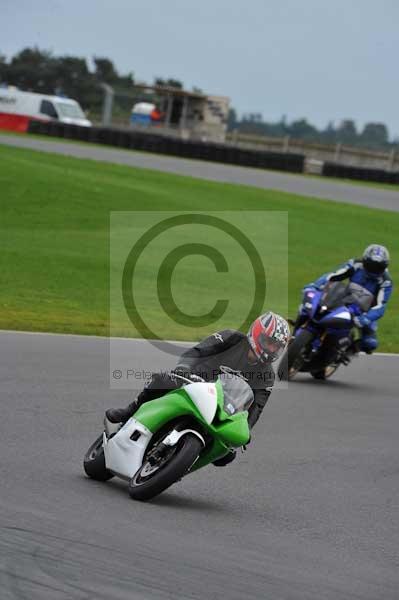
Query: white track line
[127,339]
[101,337]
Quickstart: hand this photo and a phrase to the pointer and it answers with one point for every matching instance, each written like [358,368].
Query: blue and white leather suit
[379,285]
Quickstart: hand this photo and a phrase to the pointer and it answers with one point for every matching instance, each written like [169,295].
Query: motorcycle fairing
[125,450]
[311,301]
[204,396]
[339,318]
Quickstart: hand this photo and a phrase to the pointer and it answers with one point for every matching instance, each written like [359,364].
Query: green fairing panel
[228,431]
[234,431]
[156,413]
[217,450]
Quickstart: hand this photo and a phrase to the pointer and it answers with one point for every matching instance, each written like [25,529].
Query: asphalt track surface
[310,511]
[297,184]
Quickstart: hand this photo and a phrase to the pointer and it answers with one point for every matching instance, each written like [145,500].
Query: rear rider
[371,272]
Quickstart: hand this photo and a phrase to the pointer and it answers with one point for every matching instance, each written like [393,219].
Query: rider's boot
[121,415]
[352,351]
[158,386]
[225,460]
[355,347]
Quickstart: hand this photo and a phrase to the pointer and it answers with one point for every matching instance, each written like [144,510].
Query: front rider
[371,272]
[252,355]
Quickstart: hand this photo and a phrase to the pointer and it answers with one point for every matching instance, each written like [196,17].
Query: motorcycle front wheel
[324,373]
[155,476]
[94,462]
[293,359]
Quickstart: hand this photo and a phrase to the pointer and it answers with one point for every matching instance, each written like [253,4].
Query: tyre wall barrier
[148,142]
[331,169]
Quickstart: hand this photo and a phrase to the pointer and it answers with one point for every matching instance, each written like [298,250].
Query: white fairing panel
[123,455]
[204,396]
[345,314]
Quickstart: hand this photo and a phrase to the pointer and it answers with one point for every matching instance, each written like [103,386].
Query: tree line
[37,70]
[372,135]
[40,71]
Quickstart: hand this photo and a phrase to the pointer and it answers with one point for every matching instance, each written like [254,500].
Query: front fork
[299,322]
[303,322]
[317,342]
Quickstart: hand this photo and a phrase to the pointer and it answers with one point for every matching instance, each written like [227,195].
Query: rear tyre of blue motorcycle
[293,360]
[152,480]
[94,462]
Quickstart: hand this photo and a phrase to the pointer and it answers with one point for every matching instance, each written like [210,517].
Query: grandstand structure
[186,114]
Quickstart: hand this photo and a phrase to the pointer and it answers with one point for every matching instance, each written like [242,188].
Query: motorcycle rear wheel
[152,479]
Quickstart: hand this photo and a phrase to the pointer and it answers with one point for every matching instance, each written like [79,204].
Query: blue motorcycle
[325,336]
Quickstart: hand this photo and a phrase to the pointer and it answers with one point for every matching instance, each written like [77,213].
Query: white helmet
[375,259]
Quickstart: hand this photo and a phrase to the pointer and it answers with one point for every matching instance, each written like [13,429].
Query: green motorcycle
[174,435]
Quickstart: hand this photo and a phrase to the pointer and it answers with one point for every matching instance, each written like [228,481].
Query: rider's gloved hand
[181,370]
[361,321]
[195,378]
[354,310]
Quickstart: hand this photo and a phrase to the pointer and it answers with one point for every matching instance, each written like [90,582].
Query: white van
[28,105]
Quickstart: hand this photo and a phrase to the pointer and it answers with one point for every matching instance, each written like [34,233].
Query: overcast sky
[319,59]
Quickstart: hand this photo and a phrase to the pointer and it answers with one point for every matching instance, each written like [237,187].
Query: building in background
[188,115]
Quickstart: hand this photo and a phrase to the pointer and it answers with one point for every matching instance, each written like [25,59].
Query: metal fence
[340,154]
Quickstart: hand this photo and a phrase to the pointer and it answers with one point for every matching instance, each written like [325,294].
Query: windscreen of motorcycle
[338,294]
[237,394]
[360,296]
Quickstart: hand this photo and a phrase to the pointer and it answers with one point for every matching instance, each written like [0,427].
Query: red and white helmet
[268,336]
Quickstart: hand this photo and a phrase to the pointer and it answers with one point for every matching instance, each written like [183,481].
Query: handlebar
[229,371]
[190,378]
[194,378]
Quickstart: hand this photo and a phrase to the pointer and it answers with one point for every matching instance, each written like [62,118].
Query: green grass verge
[55,240]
